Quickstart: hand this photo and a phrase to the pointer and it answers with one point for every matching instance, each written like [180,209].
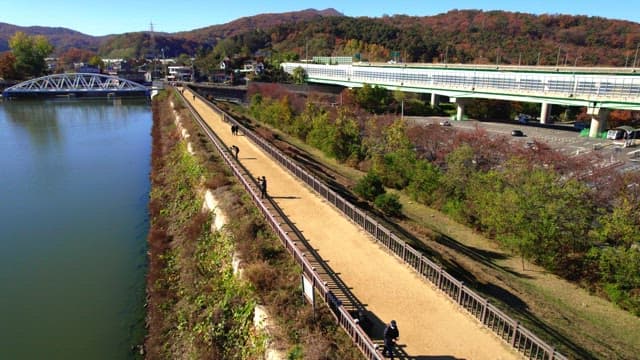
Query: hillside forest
[458,36]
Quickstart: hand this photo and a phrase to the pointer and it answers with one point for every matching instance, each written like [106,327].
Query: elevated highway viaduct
[598,89]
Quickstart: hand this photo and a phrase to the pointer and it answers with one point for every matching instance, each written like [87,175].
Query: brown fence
[523,340]
[344,318]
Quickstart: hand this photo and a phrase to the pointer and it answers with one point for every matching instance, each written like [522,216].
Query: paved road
[431,326]
[567,141]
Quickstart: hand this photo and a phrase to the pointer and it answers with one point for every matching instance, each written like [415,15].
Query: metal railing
[342,315]
[508,329]
[582,83]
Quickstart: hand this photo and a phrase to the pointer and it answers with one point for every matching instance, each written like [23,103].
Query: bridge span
[78,84]
[597,89]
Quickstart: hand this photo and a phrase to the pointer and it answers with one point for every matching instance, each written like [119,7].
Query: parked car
[615,134]
[524,118]
[445,123]
[578,125]
[517,132]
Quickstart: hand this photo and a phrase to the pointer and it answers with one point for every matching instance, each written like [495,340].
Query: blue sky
[119,16]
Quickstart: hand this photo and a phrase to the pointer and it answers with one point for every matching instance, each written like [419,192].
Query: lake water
[74,184]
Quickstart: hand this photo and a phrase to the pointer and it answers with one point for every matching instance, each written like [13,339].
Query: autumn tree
[30,53]
[7,66]
[533,211]
[374,99]
[346,142]
[96,61]
[299,75]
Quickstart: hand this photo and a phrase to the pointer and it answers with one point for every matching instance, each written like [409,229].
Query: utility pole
[446,53]
[558,57]
[626,60]
[154,55]
[636,56]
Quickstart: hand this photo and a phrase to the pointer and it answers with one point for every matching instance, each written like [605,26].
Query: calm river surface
[74,184]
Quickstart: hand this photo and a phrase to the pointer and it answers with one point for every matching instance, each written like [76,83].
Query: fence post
[484,310]
[404,250]
[460,293]
[516,324]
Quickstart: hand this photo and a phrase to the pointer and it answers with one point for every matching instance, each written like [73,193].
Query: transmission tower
[152,45]
[152,40]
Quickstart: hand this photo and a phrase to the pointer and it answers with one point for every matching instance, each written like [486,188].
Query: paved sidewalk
[431,326]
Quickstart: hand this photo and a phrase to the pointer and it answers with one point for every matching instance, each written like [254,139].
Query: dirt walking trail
[431,326]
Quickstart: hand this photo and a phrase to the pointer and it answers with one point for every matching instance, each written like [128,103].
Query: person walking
[391,334]
[235,150]
[263,187]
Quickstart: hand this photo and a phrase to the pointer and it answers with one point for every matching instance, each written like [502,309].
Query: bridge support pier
[435,100]
[544,112]
[598,120]
[460,103]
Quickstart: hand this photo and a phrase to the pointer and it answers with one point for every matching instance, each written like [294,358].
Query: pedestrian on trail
[233,129]
[391,334]
[235,150]
[194,97]
[263,187]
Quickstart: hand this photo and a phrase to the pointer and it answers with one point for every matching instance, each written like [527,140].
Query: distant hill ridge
[465,36]
[64,39]
[261,21]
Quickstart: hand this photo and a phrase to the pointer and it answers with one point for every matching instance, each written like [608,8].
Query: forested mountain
[458,36]
[62,38]
[200,41]
[469,36]
[209,35]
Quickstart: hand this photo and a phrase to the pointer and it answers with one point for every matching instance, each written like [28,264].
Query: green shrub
[389,204]
[369,186]
[425,183]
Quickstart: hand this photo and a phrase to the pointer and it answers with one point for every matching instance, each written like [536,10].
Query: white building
[180,73]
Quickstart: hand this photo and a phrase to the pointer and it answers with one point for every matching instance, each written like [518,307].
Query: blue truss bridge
[76,84]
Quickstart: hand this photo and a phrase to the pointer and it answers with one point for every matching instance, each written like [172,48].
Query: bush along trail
[197,308]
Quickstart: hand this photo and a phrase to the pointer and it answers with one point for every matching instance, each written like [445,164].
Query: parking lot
[566,141]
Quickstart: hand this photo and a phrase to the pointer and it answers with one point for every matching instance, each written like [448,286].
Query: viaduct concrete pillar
[598,120]
[544,112]
[459,107]
[435,100]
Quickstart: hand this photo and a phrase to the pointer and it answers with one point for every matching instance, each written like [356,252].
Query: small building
[180,73]
[85,68]
[256,67]
[225,64]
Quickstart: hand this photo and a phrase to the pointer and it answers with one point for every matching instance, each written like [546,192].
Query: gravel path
[431,326]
